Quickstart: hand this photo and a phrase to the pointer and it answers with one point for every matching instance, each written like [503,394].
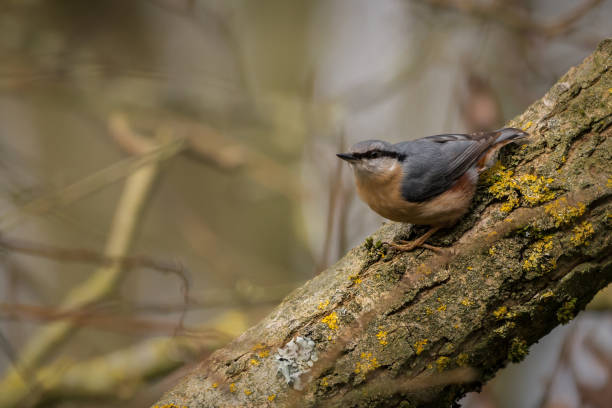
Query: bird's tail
[510,134]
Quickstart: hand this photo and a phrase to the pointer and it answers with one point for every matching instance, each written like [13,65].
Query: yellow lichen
[442,363]
[546,294]
[419,346]
[382,337]
[324,382]
[254,362]
[530,188]
[527,125]
[538,254]
[582,233]
[462,359]
[609,182]
[492,251]
[469,268]
[215,385]
[355,279]
[366,364]
[466,302]
[424,269]
[323,304]
[441,308]
[247,392]
[331,320]
[271,397]
[261,350]
[562,213]
[232,387]
[500,312]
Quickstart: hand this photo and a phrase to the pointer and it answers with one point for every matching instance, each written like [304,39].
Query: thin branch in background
[89,184]
[90,317]
[103,281]
[95,257]
[9,352]
[507,14]
[335,190]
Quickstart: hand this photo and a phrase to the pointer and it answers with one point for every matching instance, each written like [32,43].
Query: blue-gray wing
[434,163]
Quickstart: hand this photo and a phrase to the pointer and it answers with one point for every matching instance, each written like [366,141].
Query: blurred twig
[102,282]
[91,317]
[507,14]
[91,183]
[334,194]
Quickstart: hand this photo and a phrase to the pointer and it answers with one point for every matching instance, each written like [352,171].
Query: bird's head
[372,158]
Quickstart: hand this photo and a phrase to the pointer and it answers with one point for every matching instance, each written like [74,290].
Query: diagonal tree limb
[535,248]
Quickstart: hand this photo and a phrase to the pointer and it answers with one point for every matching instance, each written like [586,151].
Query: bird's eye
[373,155]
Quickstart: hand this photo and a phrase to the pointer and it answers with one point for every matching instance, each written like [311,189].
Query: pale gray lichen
[295,359]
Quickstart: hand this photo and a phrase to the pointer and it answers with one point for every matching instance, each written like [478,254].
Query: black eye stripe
[379,153]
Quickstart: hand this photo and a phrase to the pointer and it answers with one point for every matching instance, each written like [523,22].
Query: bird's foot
[407,246]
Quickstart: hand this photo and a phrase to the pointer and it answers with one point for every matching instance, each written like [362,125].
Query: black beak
[347,156]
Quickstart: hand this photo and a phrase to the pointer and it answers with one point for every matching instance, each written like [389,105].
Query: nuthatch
[428,181]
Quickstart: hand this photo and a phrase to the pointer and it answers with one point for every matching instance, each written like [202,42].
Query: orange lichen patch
[582,233]
[366,364]
[419,346]
[261,350]
[528,188]
[500,312]
[538,254]
[562,213]
[442,363]
[331,320]
[323,304]
[382,337]
[215,385]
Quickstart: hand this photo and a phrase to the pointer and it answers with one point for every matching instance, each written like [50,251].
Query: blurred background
[195,140]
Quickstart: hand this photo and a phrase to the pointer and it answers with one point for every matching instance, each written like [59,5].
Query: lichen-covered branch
[420,329]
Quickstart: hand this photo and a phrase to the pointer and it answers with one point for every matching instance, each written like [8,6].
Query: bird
[428,181]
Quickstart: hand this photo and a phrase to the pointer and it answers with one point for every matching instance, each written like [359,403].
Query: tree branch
[386,329]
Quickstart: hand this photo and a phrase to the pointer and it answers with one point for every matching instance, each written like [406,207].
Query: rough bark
[398,329]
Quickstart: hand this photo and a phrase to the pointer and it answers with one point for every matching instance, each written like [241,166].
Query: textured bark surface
[395,329]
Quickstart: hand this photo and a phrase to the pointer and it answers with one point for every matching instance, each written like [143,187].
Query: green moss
[518,350]
[567,311]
